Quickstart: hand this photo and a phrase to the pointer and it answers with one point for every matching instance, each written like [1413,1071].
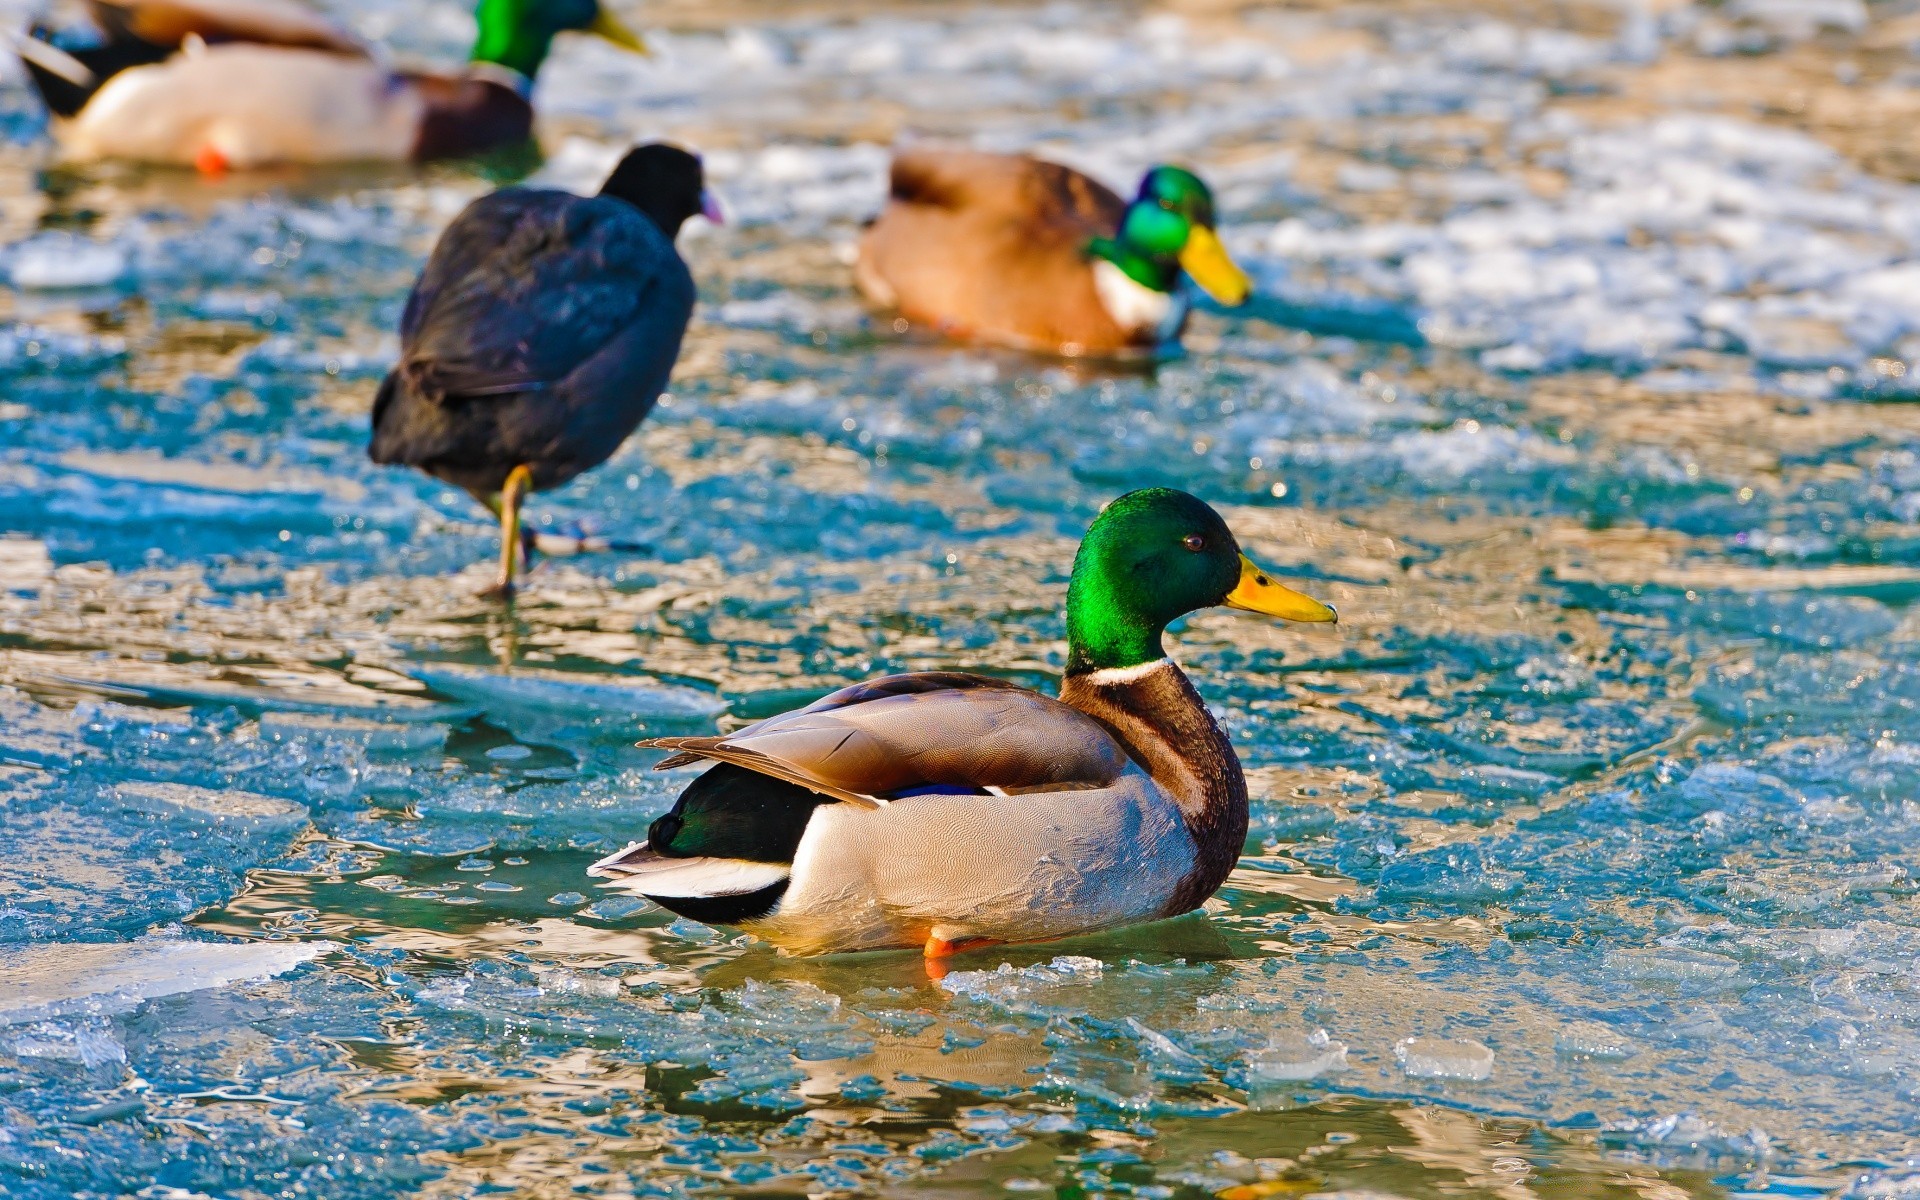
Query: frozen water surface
[1582,378]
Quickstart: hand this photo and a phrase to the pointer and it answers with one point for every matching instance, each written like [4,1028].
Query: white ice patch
[567,692]
[580,166]
[789,182]
[89,1041]
[1464,450]
[1691,1134]
[46,983]
[1683,233]
[57,261]
[213,806]
[1592,1040]
[1008,984]
[1293,1057]
[1444,1058]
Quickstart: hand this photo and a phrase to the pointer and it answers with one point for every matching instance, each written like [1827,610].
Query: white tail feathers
[640,869]
[54,60]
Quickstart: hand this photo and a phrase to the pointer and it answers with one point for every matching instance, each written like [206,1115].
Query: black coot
[540,334]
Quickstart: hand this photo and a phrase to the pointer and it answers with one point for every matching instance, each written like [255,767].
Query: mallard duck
[1008,249]
[245,83]
[943,809]
[540,333]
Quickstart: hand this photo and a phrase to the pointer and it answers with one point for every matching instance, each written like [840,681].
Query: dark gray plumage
[541,332]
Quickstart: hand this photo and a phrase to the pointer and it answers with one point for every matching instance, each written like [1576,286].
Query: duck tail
[65,83]
[68,78]
[723,891]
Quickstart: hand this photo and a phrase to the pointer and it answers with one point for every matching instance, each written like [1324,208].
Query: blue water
[1580,381]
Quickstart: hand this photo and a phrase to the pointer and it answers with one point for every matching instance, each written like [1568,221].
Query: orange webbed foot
[938,950]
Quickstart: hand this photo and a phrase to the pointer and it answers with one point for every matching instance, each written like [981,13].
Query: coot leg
[519,482]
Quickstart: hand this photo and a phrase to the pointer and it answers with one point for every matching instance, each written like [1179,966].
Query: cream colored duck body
[1099,821]
[301,106]
[249,83]
[1081,814]
[937,809]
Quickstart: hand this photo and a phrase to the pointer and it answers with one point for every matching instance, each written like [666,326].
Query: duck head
[1155,555]
[664,182]
[517,34]
[1169,228]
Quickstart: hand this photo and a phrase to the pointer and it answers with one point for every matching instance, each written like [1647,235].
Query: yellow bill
[606,25]
[1207,261]
[1257,592]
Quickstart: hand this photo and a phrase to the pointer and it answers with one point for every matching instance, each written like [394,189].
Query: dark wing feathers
[168,23]
[523,287]
[540,332]
[1025,189]
[872,689]
[908,732]
[907,685]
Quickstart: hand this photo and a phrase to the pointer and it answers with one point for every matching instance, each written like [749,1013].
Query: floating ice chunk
[1675,965]
[1898,1182]
[343,699]
[615,908]
[1802,19]
[1592,1040]
[1444,1058]
[561,982]
[244,810]
[1732,785]
[1297,1056]
[1457,874]
[755,50]
[61,261]
[786,182]
[603,696]
[1784,339]
[1161,1047]
[1809,888]
[784,310]
[1008,982]
[579,166]
[88,1041]
[1689,1137]
[1517,358]
[688,930]
[47,982]
[1367,177]
[384,737]
[1802,619]
[1469,448]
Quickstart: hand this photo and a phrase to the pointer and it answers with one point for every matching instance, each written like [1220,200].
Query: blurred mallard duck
[939,809]
[540,333]
[1009,249]
[245,83]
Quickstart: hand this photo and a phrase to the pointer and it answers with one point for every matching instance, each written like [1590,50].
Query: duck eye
[1194,542]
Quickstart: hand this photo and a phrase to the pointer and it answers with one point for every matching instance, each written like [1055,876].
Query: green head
[517,34]
[1169,228]
[1152,556]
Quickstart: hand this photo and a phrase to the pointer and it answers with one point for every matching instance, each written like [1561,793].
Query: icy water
[1580,381]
